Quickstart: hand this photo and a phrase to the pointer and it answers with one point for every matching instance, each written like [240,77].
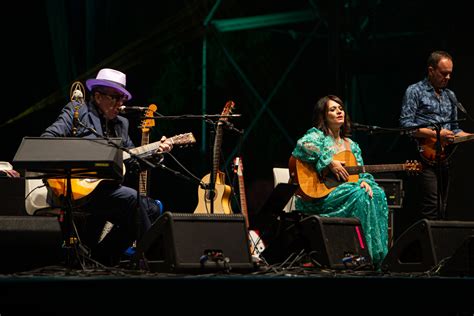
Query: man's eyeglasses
[116,97]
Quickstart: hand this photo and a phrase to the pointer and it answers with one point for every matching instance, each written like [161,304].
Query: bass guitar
[83,187]
[256,243]
[313,186]
[427,148]
[219,196]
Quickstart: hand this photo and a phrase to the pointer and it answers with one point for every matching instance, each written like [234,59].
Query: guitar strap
[453,100]
[348,145]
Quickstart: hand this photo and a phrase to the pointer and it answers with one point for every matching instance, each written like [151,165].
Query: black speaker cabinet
[425,244]
[334,242]
[29,242]
[179,242]
[461,263]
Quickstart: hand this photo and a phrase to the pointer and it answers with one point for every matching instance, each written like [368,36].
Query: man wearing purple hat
[109,201]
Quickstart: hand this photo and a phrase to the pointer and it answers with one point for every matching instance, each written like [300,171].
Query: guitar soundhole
[210,195]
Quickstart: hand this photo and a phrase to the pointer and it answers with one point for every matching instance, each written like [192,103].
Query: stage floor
[57,290]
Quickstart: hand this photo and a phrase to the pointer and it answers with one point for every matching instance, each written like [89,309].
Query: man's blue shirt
[421,106]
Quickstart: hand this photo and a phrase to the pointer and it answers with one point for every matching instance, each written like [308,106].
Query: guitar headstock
[148,122]
[229,106]
[238,166]
[183,139]
[413,167]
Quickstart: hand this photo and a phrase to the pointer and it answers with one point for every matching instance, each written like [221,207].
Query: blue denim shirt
[421,106]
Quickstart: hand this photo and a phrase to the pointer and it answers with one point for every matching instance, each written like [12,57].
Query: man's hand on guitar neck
[165,146]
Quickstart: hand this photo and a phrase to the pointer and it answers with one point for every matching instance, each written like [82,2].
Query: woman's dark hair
[320,112]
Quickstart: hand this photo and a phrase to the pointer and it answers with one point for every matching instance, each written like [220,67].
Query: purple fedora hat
[110,78]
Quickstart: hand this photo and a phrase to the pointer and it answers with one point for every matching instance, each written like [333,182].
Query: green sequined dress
[347,199]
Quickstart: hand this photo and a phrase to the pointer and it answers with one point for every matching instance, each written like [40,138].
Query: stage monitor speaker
[426,244]
[333,242]
[29,242]
[461,263]
[179,242]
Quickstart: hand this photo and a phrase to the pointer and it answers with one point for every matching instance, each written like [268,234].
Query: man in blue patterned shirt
[430,104]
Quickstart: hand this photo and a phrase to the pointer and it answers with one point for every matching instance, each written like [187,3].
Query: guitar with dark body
[427,148]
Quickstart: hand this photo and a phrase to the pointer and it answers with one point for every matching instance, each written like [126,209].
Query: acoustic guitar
[256,243]
[313,186]
[220,195]
[427,148]
[81,188]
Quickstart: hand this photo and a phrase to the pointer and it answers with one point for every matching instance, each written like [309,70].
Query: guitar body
[427,148]
[315,186]
[221,198]
[80,187]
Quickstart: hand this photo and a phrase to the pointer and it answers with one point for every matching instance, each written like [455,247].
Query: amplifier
[393,190]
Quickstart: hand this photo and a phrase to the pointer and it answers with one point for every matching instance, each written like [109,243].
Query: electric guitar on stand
[219,196]
[147,123]
[256,243]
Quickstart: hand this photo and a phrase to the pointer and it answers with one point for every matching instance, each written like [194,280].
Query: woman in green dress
[363,199]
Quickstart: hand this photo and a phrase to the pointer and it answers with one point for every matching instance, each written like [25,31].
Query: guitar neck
[461,139]
[143,183]
[143,177]
[216,152]
[375,168]
[243,199]
[142,150]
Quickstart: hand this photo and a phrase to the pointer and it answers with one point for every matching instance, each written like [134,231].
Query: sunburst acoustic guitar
[427,148]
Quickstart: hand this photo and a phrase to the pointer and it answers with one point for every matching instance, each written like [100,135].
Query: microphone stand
[141,159]
[192,116]
[210,187]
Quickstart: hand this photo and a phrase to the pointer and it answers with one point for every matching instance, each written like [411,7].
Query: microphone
[126,109]
[362,127]
[77,95]
[230,126]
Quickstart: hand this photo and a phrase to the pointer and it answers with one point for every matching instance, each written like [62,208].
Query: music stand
[69,157]
[271,212]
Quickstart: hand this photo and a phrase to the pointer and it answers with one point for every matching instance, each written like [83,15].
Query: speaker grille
[425,244]
[29,242]
[328,240]
[195,242]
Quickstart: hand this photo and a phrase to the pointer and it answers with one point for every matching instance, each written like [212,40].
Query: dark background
[368,52]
